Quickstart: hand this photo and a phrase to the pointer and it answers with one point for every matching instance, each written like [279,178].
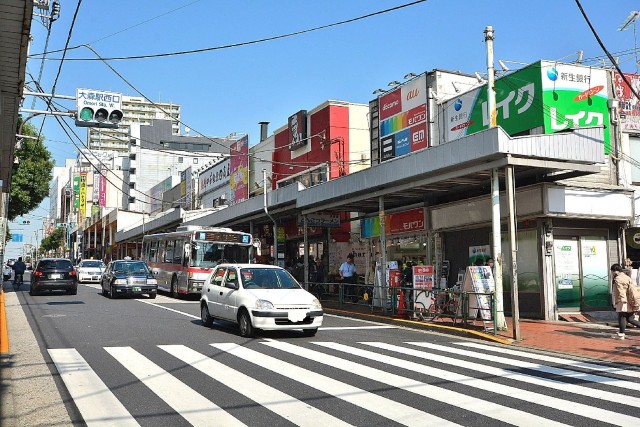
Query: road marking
[337,328]
[191,405]
[169,309]
[387,408]
[484,385]
[469,403]
[578,389]
[97,404]
[286,406]
[556,360]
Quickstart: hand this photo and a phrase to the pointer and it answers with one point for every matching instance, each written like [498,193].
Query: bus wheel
[174,287]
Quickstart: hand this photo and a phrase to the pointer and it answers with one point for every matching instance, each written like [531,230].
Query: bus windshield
[209,254]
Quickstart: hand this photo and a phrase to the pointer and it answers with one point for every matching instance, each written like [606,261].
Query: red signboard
[407,221]
[390,104]
[423,276]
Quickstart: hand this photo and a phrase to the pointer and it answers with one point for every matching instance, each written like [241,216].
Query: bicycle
[18,280]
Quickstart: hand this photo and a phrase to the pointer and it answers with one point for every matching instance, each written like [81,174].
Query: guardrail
[429,305]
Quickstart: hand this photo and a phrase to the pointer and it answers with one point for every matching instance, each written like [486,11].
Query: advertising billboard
[239,174]
[403,119]
[214,177]
[298,136]
[547,95]
[629,105]
[83,195]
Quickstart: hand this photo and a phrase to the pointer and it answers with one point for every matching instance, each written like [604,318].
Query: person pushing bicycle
[19,268]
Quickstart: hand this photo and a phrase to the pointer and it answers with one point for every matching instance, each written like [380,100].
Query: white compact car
[90,270]
[258,296]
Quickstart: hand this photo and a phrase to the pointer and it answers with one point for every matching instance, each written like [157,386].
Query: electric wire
[239,44]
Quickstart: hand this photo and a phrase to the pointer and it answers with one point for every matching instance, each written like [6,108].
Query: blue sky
[231,90]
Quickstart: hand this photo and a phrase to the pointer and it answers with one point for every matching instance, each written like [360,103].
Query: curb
[7,418]
[451,330]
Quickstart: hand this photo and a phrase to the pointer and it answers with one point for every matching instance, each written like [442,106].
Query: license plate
[94,277]
[136,289]
[55,276]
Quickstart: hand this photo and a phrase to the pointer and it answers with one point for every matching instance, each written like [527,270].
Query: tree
[31,174]
[53,241]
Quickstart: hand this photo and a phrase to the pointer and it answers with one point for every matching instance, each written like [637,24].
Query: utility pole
[501,322]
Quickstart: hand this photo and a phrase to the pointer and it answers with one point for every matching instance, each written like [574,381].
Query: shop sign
[298,130]
[239,170]
[323,220]
[423,277]
[403,119]
[407,221]
[629,105]
[545,94]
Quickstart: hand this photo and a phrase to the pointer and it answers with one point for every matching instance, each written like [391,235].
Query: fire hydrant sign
[423,277]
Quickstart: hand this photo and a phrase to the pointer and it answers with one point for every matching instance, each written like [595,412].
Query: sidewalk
[586,339]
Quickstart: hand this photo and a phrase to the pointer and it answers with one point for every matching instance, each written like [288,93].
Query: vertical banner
[103,191]
[83,196]
[96,188]
[239,165]
[629,106]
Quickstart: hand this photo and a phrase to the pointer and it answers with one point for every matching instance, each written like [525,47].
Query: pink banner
[103,191]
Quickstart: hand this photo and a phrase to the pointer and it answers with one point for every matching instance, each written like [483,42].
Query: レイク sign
[547,95]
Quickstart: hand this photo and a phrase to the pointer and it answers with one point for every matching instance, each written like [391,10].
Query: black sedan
[128,277]
[54,274]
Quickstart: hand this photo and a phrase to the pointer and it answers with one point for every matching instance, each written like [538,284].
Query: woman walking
[624,300]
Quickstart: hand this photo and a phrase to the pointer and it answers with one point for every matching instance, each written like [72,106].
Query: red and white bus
[182,260]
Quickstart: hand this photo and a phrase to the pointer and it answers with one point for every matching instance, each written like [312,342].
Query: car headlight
[120,282]
[315,304]
[152,282]
[262,304]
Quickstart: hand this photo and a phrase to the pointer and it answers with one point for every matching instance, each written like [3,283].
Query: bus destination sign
[221,236]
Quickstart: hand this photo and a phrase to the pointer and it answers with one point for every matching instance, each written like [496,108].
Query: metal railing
[430,305]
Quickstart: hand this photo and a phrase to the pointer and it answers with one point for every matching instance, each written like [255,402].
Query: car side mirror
[232,285]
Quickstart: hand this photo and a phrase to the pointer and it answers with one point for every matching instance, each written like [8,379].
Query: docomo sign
[408,96]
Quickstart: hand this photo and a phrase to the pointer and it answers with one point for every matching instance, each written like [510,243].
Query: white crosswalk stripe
[97,404]
[516,393]
[554,360]
[495,379]
[480,406]
[271,398]
[395,411]
[191,405]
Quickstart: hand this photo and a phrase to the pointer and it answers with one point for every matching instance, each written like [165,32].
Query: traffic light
[25,222]
[98,109]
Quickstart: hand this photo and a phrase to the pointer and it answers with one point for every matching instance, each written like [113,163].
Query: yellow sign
[83,195]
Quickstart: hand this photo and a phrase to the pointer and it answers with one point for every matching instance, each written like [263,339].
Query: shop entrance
[581,273]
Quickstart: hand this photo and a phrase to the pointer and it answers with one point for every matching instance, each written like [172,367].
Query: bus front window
[208,254]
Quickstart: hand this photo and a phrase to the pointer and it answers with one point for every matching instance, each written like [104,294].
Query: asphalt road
[151,363]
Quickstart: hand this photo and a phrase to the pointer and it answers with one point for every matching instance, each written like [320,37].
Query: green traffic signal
[86,114]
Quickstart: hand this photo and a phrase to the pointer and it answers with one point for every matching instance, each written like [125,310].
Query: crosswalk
[325,383]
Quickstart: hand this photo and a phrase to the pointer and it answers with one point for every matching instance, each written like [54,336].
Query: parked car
[10,262]
[90,271]
[128,277]
[258,297]
[54,274]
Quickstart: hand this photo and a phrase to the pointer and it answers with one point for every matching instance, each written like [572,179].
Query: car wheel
[73,291]
[152,295]
[246,328]
[205,317]
[310,332]
[32,292]
[112,292]
[104,291]
[174,287]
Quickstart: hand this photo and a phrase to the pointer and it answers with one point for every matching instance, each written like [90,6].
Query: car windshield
[55,264]
[91,264]
[267,278]
[131,268]
[209,254]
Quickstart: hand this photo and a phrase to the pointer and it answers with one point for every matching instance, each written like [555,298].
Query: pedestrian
[625,300]
[19,268]
[348,275]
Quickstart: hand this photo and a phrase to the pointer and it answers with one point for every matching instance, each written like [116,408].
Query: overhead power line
[247,43]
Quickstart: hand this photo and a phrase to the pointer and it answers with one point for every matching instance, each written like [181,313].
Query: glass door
[567,274]
[595,273]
